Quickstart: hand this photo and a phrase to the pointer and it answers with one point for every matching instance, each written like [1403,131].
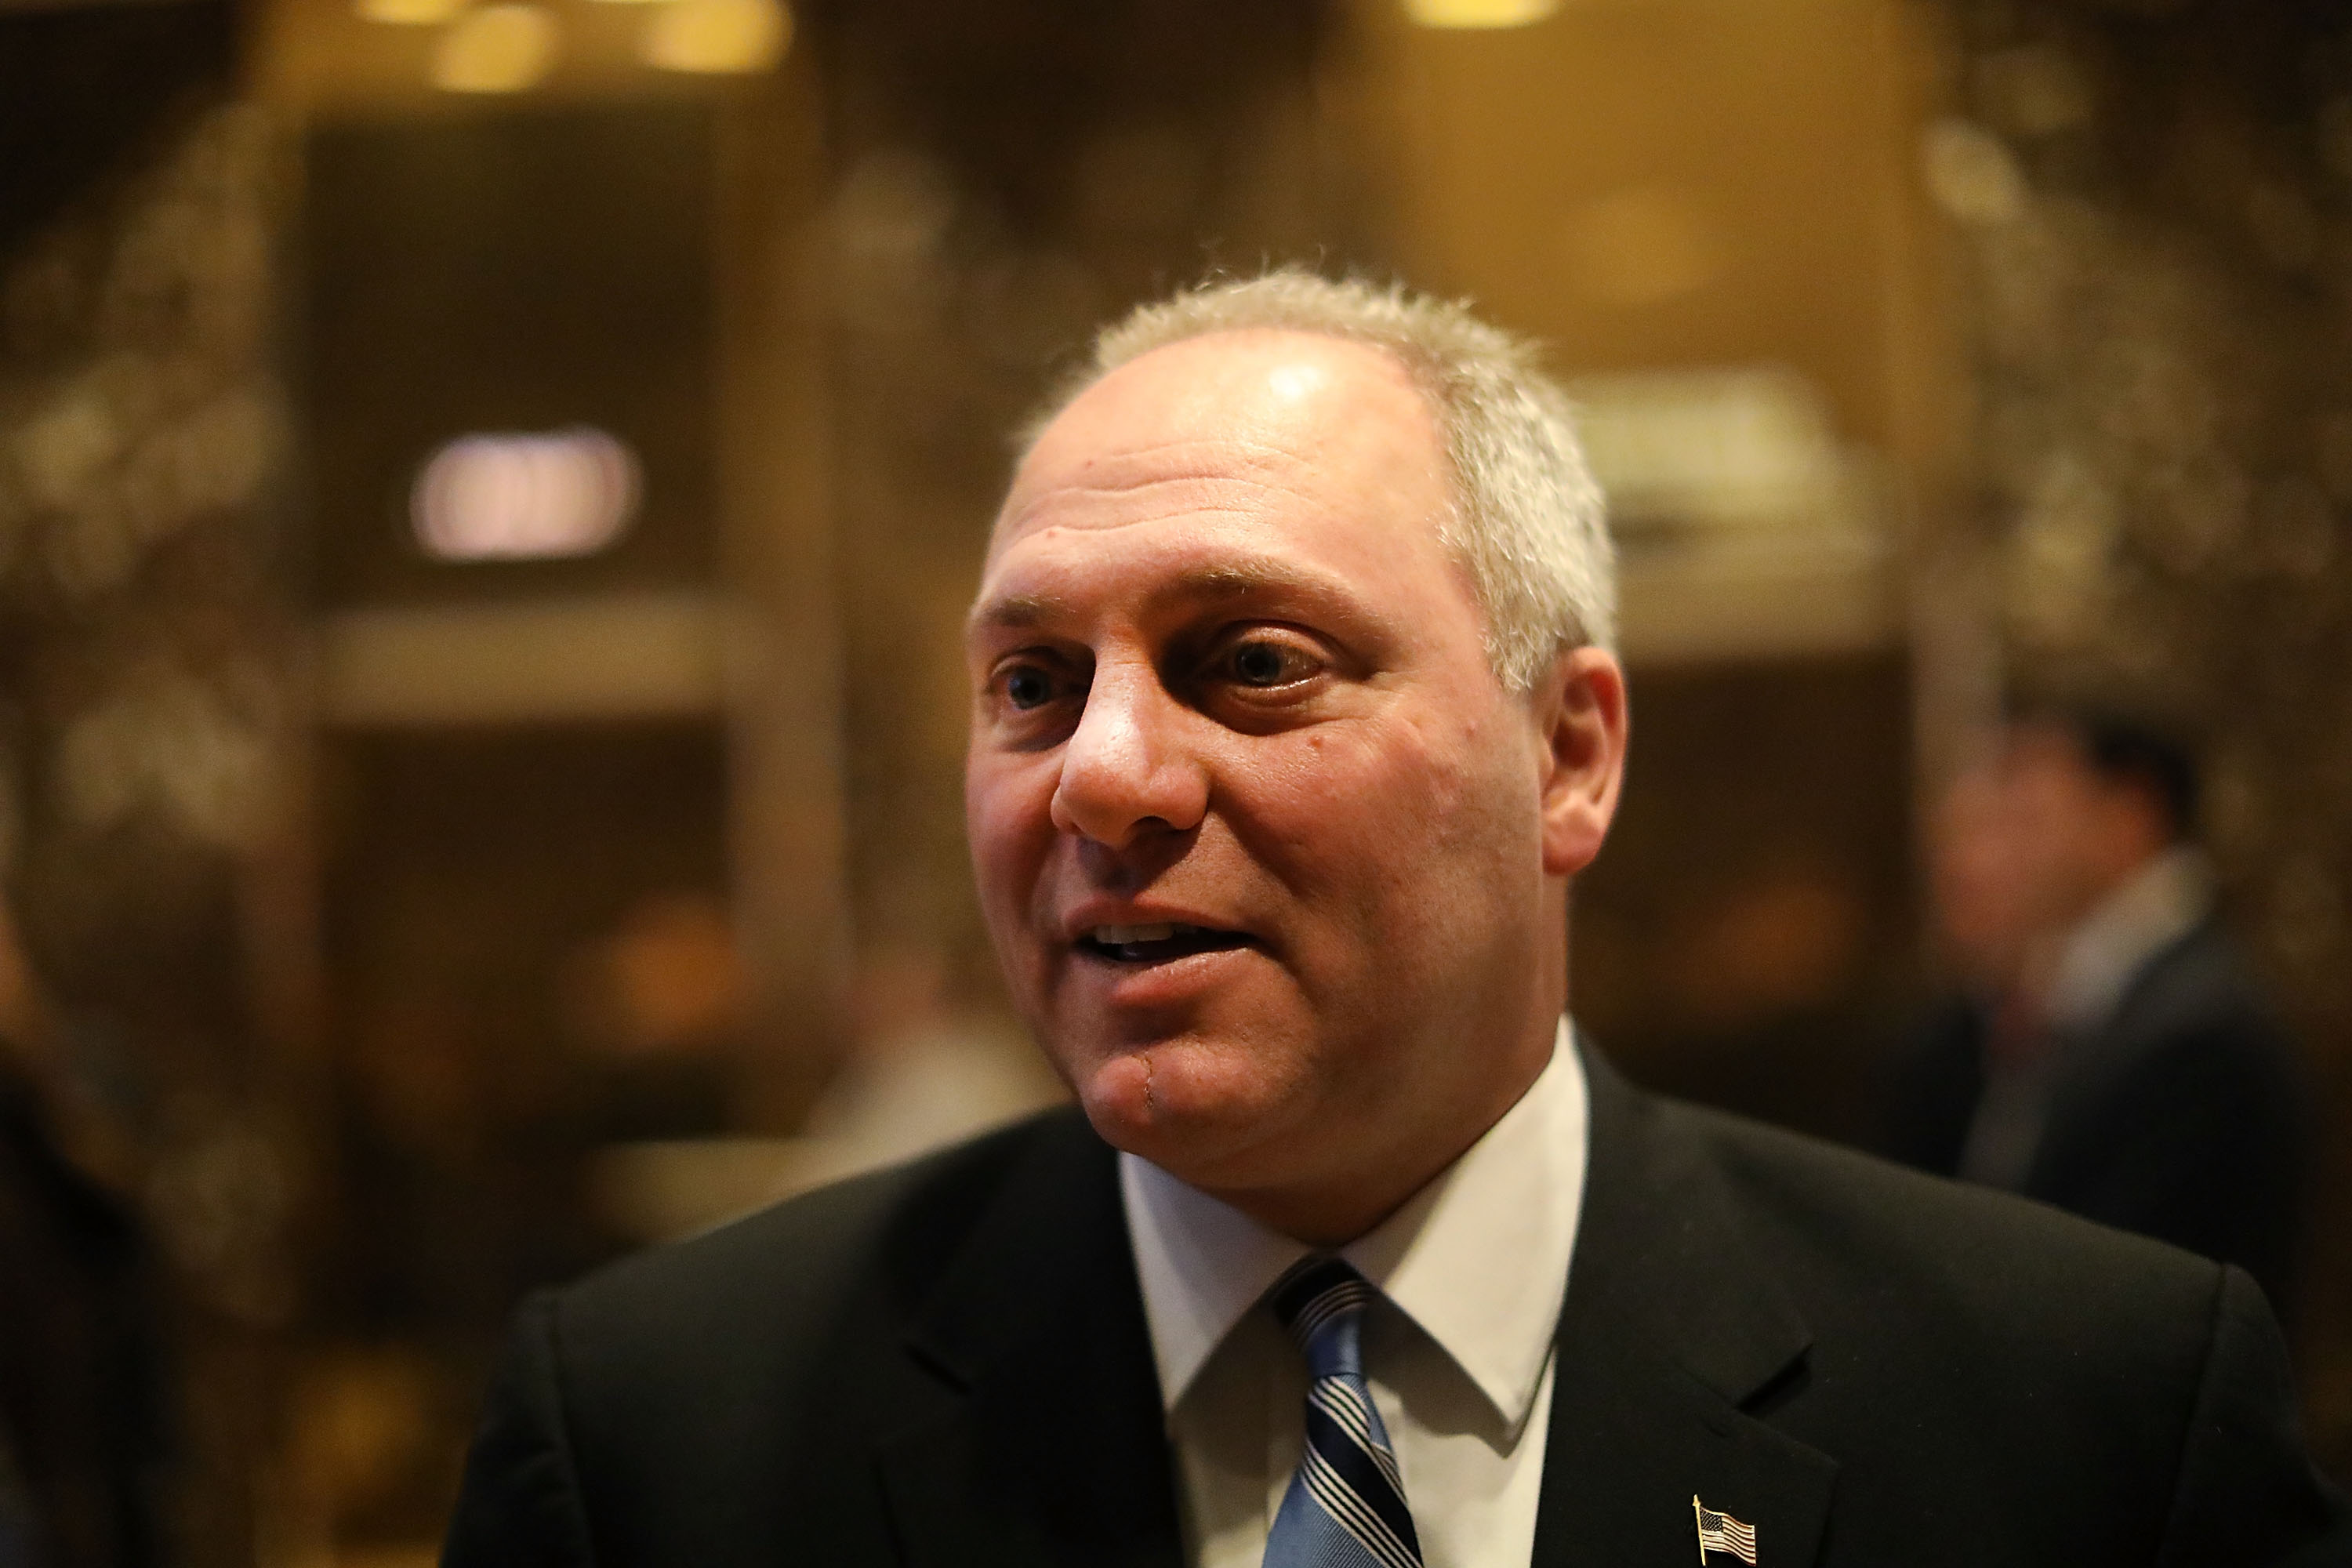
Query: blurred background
[489,490]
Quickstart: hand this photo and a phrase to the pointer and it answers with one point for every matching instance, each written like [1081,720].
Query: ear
[1581,709]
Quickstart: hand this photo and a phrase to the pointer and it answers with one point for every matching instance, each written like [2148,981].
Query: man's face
[2028,840]
[2082,833]
[1259,834]
[1984,872]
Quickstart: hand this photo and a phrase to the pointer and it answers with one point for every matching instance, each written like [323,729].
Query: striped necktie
[1346,1506]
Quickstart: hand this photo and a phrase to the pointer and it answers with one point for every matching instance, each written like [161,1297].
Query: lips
[1156,943]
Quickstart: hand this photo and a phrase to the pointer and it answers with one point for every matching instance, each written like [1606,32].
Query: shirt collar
[2156,906]
[1478,1259]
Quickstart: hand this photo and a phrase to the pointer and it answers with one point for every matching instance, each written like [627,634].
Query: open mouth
[1157,943]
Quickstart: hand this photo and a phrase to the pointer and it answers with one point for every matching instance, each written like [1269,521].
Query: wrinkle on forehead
[1107,488]
[1193,456]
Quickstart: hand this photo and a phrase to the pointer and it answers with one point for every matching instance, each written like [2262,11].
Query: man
[2110,1054]
[1293,718]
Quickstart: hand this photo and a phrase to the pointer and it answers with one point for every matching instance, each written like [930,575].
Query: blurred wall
[145,707]
[1682,183]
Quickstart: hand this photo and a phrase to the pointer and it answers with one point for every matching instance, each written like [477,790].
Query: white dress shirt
[2156,906]
[1458,1352]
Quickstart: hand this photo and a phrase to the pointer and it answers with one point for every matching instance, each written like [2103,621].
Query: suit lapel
[1672,1338]
[1048,1447]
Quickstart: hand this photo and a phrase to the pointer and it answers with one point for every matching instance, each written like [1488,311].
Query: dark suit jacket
[948,1365]
[2182,1117]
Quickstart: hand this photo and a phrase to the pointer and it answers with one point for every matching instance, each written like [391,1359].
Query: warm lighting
[496,48]
[718,36]
[524,497]
[1643,246]
[1972,175]
[1729,451]
[1479,12]
[411,13]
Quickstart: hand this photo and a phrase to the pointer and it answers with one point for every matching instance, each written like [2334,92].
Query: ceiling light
[718,35]
[524,497]
[1479,12]
[496,48]
[411,13]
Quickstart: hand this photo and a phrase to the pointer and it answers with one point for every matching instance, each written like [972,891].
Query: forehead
[1239,443]
[1263,386]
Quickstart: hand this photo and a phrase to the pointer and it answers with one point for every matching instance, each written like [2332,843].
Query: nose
[1126,769]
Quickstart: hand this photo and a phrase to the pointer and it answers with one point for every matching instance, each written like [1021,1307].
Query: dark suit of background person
[1275,793]
[2161,1097]
[948,1365]
[2179,1118]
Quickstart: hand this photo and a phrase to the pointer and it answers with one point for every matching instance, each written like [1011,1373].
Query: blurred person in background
[2109,1051]
[83,1448]
[922,1073]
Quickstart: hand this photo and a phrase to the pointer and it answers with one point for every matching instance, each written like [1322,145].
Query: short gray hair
[1528,520]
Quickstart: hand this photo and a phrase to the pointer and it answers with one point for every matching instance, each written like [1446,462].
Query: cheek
[1009,823]
[1394,824]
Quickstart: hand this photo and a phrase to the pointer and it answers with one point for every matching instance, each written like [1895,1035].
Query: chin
[1186,1106]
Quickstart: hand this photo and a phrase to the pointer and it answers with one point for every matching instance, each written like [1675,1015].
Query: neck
[1332,1213]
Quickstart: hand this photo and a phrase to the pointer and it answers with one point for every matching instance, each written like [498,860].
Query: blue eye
[1028,686]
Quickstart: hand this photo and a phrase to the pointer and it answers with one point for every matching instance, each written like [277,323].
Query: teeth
[1120,936]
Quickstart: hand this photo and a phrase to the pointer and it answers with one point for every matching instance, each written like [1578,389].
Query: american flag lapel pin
[1721,1532]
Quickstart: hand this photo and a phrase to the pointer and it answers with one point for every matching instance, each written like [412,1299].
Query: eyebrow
[1205,584]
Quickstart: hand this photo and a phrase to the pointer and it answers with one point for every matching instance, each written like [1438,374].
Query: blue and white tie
[1346,1506]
